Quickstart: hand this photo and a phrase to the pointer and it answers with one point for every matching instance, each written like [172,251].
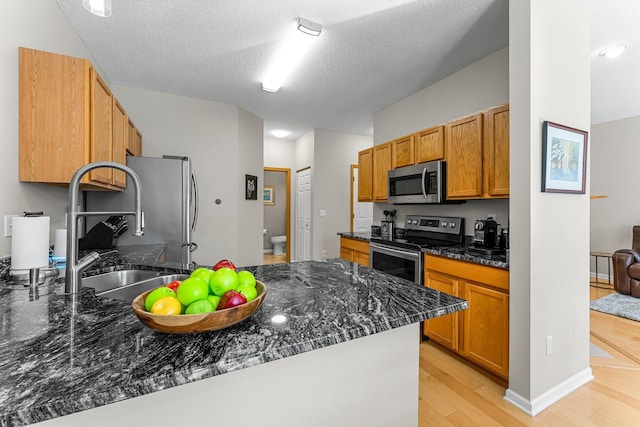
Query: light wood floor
[274,259]
[453,393]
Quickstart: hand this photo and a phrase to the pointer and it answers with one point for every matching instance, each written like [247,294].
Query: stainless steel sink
[116,279]
[129,291]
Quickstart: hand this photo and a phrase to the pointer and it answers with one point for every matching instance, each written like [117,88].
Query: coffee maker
[485,236]
[387,225]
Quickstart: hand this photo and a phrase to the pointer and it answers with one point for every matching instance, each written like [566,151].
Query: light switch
[323,212]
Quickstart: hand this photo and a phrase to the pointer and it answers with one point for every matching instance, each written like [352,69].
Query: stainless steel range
[402,256]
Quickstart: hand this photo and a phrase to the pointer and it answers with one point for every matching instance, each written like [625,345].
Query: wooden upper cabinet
[120,130]
[464,153]
[67,119]
[381,167]
[137,140]
[134,140]
[496,151]
[365,175]
[101,129]
[429,144]
[403,152]
[54,130]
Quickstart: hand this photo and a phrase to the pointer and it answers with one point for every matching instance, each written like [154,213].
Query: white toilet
[278,244]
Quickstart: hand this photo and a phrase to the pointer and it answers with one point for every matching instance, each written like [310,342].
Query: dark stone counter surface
[357,236]
[459,252]
[54,363]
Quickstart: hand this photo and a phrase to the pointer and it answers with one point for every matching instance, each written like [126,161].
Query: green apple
[215,300]
[156,294]
[246,278]
[249,292]
[191,290]
[223,280]
[200,306]
[203,273]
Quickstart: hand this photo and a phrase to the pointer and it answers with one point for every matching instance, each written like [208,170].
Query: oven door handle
[390,251]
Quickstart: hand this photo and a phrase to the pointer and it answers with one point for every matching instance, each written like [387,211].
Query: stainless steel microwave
[424,183]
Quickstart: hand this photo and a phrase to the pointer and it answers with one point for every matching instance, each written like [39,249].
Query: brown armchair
[626,267]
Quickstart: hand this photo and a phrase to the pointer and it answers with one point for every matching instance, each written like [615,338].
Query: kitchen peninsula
[334,343]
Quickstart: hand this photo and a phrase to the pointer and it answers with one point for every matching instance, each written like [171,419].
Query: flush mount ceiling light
[612,52]
[279,133]
[309,27]
[98,7]
[298,42]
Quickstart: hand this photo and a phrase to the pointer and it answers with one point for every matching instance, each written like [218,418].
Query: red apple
[174,285]
[230,299]
[224,263]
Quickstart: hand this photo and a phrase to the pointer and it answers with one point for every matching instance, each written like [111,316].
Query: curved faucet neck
[73,279]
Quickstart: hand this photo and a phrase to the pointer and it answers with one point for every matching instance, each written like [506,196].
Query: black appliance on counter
[402,257]
[486,239]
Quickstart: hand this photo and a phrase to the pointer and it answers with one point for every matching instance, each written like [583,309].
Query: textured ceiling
[370,54]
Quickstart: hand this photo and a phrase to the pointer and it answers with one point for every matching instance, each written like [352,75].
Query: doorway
[303,215]
[276,215]
[361,212]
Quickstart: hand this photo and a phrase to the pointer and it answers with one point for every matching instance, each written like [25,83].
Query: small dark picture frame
[251,187]
[564,159]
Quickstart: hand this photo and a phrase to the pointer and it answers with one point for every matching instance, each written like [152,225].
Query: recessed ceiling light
[98,7]
[612,52]
[279,133]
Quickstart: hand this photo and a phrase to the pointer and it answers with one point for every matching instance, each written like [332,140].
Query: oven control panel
[437,224]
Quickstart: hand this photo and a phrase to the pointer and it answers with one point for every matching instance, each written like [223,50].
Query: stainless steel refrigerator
[169,197]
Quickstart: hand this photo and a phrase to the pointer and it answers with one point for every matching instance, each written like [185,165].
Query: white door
[362,211]
[303,216]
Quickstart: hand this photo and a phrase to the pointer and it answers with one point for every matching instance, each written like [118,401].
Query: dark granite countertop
[358,236]
[53,363]
[459,252]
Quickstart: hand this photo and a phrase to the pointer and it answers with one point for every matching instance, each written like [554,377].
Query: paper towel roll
[60,242]
[30,242]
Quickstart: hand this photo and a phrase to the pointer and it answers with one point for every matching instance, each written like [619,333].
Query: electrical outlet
[8,229]
[549,345]
[324,253]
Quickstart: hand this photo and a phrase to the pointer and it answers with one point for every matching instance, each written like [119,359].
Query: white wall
[279,153]
[334,154]
[614,152]
[549,297]
[37,24]
[483,84]
[224,143]
[250,129]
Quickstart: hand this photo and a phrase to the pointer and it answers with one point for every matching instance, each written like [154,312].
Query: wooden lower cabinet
[354,250]
[481,333]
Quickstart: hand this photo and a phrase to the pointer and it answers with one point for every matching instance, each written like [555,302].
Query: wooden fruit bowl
[195,323]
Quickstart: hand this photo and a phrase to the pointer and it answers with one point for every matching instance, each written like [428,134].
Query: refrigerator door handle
[195,202]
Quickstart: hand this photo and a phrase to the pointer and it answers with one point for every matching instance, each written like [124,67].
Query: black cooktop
[427,232]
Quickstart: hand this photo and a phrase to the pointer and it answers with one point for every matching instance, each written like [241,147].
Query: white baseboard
[267,251]
[551,396]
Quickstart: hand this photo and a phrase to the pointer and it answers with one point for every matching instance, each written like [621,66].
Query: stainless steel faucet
[75,267]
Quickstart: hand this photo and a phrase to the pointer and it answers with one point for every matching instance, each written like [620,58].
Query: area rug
[618,305]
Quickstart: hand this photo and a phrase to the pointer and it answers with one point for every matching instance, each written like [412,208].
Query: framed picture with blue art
[269,195]
[564,159]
